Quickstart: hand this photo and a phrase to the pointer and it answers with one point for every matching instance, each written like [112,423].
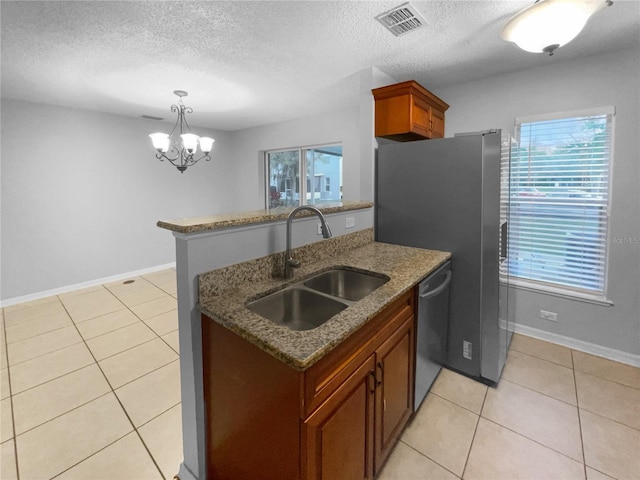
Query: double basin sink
[310,303]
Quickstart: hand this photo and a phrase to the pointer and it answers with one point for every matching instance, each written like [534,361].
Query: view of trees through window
[559,202]
[322,167]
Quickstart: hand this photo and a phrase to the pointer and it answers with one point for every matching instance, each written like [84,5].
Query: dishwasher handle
[439,289]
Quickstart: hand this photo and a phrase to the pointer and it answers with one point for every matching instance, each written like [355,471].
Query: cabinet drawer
[323,378]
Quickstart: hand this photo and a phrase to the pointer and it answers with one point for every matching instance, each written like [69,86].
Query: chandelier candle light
[549,24]
[184,154]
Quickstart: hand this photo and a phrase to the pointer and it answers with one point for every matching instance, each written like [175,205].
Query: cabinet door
[394,395]
[437,123]
[338,437]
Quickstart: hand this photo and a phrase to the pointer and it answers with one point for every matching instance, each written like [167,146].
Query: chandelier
[181,153]
[549,24]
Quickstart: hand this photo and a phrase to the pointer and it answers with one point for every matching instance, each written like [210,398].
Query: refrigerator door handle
[440,288]
[504,239]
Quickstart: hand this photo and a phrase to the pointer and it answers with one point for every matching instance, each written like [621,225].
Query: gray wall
[71,215]
[333,127]
[82,192]
[610,79]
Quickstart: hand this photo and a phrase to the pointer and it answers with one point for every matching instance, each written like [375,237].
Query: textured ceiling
[250,63]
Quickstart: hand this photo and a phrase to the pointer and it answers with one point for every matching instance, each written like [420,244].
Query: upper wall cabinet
[407,111]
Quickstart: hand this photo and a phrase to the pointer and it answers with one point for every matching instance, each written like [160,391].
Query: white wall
[82,191]
[610,79]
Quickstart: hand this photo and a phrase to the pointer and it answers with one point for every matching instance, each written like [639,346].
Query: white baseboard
[592,348]
[185,474]
[78,286]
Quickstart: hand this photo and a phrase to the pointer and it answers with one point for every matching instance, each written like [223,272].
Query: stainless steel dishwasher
[432,326]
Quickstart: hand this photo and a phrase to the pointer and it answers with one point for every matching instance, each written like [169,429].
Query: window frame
[599,297]
[303,188]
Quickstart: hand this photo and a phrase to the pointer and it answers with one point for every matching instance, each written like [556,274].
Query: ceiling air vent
[402,19]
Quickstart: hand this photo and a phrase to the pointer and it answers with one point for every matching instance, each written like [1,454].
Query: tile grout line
[145,323]
[536,391]
[515,382]
[575,386]
[510,380]
[94,453]
[428,457]
[54,378]
[120,403]
[64,413]
[150,371]
[47,353]
[549,396]
[475,430]
[13,421]
[454,403]
[545,359]
[36,335]
[154,332]
[599,377]
[83,341]
[583,371]
[532,440]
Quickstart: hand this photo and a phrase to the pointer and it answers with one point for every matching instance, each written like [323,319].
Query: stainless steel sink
[296,308]
[347,284]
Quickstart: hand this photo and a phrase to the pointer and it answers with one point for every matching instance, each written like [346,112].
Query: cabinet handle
[372,376]
[381,367]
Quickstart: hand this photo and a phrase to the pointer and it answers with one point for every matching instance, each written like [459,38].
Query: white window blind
[559,201]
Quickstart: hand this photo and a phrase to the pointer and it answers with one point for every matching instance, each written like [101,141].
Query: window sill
[547,289]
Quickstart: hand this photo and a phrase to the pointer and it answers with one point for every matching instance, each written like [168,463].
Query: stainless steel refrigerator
[445,194]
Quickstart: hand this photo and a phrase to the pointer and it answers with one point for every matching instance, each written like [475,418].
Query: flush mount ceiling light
[184,150]
[550,24]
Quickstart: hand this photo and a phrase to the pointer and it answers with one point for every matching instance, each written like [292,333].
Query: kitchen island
[227,242]
[212,242]
[335,398]
[404,266]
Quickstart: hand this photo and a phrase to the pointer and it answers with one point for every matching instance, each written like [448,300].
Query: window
[559,209]
[322,166]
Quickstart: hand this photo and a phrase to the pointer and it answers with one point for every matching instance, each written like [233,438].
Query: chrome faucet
[290,263]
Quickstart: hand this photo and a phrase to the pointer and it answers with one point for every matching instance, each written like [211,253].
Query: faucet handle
[293,263]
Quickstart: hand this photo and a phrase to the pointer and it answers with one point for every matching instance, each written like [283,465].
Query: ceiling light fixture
[549,24]
[185,151]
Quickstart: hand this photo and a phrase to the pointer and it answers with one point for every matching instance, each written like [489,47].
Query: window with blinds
[559,201]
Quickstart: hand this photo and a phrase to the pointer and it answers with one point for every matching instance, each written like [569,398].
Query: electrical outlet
[467,350]
[319,229]
[350,222]
[551,316]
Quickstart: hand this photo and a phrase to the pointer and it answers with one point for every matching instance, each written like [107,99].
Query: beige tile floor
[90,388]
[91,384]
[557,413]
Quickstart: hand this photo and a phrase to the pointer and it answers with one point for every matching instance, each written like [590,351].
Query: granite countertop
[405,266]
[213,222]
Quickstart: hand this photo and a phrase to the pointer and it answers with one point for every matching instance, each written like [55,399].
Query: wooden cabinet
[337,439]
[394,393]
[338,419]
[407,111]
